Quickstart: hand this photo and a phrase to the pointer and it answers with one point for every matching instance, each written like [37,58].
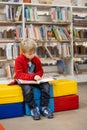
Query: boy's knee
[46,87]
[27,89]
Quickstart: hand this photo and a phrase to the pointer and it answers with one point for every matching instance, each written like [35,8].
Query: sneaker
[45,111]
[35,113]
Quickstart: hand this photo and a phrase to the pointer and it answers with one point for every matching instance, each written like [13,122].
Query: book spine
[8,70]
[18,13]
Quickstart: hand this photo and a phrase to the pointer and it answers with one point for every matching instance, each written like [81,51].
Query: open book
[43,80]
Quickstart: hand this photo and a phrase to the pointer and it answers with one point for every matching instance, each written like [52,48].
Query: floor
[67,120]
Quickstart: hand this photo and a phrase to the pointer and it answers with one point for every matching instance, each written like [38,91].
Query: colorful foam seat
[10,94]
[66,103]
[62,93]
[11,101]
[11,110]
[64,87]
[51,106]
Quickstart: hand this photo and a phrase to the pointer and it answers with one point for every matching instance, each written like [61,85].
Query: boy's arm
[19,74]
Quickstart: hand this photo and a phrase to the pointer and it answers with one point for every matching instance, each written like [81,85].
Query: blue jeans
[29,95]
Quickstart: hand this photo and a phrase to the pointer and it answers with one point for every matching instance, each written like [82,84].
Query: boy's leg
[29,100]
[45,96]
[28,95]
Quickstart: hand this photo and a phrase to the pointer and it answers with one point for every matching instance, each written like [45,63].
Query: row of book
[12,50]
[7,34]
[30,13]
[56,14]
[80,20]
[64,50]
[59,50]
[77,17]
[60,14]
[47,32]
[80,49]
[12,33]
[80,33]
[11,13]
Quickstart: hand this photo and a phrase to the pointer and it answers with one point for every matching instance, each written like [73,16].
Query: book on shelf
[18,13]
[77,68]
[30,13]
[12,50]
[27,1]
[43,80]
[8,70]
[47,32]
[60,14]
[61,66]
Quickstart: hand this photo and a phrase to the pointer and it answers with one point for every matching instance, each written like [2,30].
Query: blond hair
[28,45]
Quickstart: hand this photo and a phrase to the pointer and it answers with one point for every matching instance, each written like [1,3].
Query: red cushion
[66,103]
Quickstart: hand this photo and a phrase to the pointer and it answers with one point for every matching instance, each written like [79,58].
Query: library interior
[54,32]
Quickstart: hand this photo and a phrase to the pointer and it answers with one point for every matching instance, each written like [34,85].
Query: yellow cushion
[64,87]
[10,94]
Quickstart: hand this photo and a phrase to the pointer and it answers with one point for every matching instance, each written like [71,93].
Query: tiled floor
[67,120]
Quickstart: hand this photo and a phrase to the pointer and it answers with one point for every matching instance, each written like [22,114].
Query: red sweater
[21,68]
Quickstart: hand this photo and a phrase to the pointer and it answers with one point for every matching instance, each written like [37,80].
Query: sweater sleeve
[19,74]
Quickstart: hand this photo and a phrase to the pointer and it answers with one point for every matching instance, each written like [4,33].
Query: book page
[45,79]
[20,81]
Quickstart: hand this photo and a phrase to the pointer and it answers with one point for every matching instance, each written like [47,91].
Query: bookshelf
[80,40]
[56,43]
[46,20]
[11,26]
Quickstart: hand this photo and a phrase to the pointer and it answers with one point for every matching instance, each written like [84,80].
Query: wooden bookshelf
[80,24]
[10,3]
[8,40]
[80,56]
[10,23]
[80,40]
[48,23]
[47,41]
[60,23]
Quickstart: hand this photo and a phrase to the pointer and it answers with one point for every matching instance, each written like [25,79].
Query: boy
[28,67]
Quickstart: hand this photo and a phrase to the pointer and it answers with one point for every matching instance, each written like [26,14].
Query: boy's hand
[37,77]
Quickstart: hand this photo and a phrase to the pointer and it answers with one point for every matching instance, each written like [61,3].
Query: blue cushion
[51,106]
[11,110]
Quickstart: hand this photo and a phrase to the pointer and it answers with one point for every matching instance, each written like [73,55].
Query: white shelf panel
[45,5]
[10,3]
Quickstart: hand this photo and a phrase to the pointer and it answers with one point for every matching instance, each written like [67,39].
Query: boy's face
[30,55]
